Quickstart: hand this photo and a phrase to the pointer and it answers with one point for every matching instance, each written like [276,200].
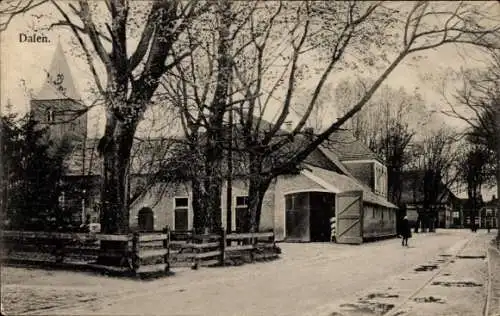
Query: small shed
[307,203]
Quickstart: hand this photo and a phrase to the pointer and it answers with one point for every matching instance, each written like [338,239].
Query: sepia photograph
[249,157]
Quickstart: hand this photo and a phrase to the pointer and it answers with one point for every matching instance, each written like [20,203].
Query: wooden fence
[137,253]
[220,249]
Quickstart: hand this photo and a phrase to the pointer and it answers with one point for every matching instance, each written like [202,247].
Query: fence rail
[136,253]
[221,249]
[139,252]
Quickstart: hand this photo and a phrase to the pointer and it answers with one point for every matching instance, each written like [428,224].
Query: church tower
[58,104]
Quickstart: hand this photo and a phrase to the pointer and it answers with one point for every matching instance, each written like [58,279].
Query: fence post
[59,249]
[196,263]
[166,245]
[252,250]
[222,246]
[135,252]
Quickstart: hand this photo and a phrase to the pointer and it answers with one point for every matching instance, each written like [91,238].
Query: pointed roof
[336,182]
[59,83]
[348,148]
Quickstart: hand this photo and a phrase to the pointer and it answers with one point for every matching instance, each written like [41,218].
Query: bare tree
[436,163]
[474,172]
[339,28]
[9,9]
[387,125]
[203,94]
[477,104]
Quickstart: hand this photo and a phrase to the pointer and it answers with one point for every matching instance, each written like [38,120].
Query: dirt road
[308,279]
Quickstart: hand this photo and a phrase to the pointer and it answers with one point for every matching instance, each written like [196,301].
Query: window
[181,213]
[382,214]
[241,211]
[51,116]
[241,201]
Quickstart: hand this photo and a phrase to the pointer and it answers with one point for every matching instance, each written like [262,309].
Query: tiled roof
[334,158]
[147,154]
[345,183]
[347,147]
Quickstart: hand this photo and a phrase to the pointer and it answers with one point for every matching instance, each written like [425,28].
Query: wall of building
[65,122]
[378,221]
[240,188]
[161,200]
[363,171]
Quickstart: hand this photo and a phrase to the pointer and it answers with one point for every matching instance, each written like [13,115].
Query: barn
[307,203]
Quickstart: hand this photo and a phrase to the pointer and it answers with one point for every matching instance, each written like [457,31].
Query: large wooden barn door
[297,216]
[349,209]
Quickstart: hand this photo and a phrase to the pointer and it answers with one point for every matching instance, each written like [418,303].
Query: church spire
[59,83]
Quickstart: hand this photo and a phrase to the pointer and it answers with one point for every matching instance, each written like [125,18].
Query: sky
[23,66]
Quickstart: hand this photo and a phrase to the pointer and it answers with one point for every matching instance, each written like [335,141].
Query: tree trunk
[215,135]
[425,221]
[199,207]
[114,215]
[497,173]
[498,194]
[212,183]
[419,220]
[434,215]
[213,202]
[115,194]
[256,191]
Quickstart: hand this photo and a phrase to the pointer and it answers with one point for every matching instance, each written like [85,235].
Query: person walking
[405,231]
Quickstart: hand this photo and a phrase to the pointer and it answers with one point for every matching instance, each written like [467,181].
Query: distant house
[459,212]
[489,214]
[412,199]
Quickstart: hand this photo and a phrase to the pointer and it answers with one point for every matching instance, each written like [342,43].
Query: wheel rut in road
[390,303]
